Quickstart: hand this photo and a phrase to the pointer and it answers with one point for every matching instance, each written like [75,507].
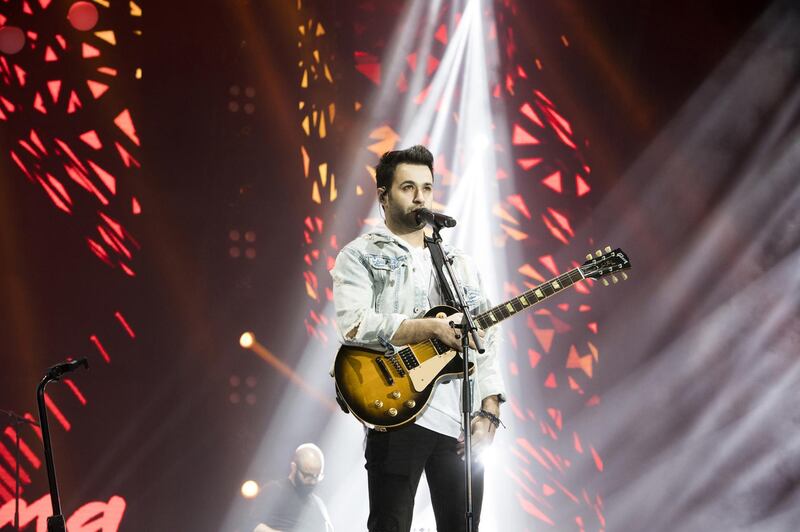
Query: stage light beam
[248,341]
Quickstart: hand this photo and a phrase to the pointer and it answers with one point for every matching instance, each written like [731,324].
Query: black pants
[395,462]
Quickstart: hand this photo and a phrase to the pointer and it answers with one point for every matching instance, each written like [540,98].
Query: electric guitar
[386,390]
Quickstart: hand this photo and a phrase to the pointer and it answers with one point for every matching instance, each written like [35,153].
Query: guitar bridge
[384,370]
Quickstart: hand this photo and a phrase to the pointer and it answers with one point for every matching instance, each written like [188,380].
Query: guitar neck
[528,299]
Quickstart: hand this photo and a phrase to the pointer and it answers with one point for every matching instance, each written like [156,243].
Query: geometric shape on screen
[582,187]
[522,137]
[553,181]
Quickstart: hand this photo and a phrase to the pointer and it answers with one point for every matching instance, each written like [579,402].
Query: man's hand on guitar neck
[413,331]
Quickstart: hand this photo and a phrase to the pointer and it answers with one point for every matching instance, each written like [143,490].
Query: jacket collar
[381,233]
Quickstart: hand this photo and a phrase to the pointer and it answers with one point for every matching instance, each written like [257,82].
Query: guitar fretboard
[531,297]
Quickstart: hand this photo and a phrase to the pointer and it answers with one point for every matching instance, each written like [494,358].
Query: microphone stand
[15,421]
[55,523]
[468,329]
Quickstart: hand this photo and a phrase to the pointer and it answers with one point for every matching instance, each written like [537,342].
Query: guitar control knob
[378,403]
[395,395]
[392,412]
[411,403]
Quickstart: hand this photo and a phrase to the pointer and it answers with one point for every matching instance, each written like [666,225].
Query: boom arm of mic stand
[16,419]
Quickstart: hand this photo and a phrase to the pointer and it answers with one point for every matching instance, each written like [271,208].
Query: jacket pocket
[386,271]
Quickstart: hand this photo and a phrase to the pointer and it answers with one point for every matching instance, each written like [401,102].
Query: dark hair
[384,172]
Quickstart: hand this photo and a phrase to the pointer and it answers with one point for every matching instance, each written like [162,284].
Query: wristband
[493,419]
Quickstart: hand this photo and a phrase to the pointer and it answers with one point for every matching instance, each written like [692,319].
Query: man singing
[383,282]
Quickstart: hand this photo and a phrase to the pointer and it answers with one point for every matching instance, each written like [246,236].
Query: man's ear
[381,194]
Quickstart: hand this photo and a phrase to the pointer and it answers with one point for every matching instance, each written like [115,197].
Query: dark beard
[302,490]
[409,221]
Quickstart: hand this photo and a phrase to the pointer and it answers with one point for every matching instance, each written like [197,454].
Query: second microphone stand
[15,421]
[468,330]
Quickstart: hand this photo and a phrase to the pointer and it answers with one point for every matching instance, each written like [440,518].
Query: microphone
[434,218]
[66,367]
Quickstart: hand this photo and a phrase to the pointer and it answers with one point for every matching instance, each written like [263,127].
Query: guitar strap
[438,263]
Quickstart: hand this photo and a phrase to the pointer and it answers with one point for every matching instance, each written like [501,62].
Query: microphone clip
[55,372]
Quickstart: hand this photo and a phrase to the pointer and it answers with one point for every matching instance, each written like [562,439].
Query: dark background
[159,428]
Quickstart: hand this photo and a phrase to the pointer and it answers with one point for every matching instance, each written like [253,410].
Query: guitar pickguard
[424,374]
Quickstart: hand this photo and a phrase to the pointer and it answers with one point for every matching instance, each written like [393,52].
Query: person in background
[288,505]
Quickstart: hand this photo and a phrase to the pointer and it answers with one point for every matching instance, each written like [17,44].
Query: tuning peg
[624,276]
[605,282]
[589,256]
[598,252]
[608,249]
[614,278]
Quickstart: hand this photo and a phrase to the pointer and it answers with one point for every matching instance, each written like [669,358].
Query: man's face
[306,476]
[412,189]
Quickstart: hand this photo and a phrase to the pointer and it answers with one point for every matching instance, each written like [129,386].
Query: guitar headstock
[604,263]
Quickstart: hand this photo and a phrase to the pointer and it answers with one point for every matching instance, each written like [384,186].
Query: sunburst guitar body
[386,391]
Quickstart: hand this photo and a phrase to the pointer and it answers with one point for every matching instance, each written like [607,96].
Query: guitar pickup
[382,366]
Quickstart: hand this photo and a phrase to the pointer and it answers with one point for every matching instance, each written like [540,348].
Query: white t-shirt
[443,414]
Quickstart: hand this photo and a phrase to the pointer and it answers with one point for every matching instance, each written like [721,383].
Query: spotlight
[12,40]
[247,339]
[249,489]
[83,16]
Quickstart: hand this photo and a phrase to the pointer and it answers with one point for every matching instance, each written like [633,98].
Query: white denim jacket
[374,292]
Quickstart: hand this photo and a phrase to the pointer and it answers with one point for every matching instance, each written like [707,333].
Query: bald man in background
[289,505]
